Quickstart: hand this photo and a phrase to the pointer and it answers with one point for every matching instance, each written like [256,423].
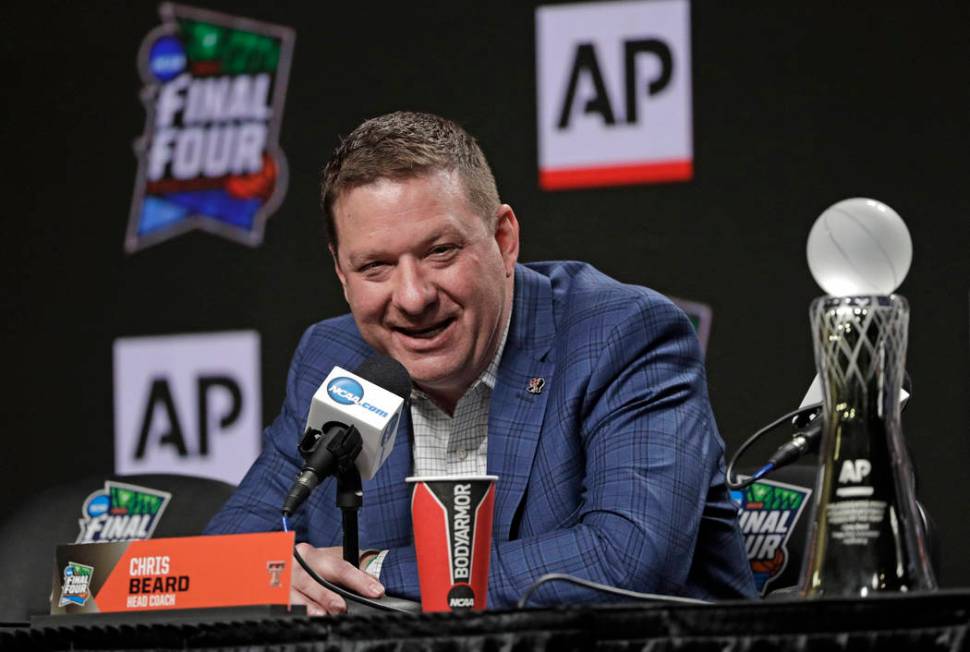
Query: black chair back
[29,536]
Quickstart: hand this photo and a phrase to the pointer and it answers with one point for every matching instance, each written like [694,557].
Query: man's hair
[403,145]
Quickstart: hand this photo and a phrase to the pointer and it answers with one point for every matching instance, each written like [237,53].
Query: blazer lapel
[519,399]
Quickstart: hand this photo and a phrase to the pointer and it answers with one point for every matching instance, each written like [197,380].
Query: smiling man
[585,396]
[429,282]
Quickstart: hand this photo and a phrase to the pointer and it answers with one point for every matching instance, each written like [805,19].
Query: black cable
[344,593]
[731,479]
[559,577]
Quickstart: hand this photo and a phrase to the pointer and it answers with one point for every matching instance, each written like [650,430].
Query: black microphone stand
[333,450]
[350,497]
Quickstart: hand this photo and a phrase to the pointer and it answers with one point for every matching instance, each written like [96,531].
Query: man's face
[428,281]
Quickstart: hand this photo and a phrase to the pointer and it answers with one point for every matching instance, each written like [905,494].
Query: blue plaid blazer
[613,473]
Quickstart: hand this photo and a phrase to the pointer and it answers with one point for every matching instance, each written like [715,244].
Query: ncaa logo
[345,391]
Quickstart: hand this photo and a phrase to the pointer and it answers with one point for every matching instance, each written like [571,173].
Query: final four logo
[769,512]
[121,512]
[209,157]
[76,585]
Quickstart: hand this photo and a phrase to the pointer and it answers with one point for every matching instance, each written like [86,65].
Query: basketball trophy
[867,534]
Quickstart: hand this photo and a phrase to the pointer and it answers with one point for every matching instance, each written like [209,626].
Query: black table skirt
[933,621]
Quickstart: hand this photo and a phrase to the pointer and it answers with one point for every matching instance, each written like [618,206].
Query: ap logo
[187,404]
[614,93]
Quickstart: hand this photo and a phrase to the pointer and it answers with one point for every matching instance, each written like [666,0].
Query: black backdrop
[796,105]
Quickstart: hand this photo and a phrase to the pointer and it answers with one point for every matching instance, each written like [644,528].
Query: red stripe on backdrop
[615,175]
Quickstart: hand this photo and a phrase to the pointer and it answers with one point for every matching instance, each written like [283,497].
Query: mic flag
[370,400]
[352,420]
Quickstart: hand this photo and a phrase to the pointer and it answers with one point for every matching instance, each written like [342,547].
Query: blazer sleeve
[256,504]
[651,454]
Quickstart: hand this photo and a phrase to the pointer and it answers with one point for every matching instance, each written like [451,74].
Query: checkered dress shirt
[451,445]
[458,444]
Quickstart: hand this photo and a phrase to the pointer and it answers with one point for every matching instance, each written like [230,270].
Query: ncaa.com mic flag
[345,397]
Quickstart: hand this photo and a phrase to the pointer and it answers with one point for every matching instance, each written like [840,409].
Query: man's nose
[414,291]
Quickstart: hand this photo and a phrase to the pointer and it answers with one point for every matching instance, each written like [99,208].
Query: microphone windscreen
[387,373]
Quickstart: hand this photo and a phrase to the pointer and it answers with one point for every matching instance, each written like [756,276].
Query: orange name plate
[183,573]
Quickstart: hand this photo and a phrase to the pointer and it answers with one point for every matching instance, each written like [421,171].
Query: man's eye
[442,251]
[370,267]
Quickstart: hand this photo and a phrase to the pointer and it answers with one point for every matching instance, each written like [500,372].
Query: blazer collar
[532,329]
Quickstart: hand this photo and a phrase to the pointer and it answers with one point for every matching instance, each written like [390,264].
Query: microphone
[809,429]
[352,420]
[802,442]
[809,425]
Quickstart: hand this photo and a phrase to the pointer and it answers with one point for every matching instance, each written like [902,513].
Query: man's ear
[507,237]
[340,272]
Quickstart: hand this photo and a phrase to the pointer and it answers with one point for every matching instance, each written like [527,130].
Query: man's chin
[430,381]
[430,376]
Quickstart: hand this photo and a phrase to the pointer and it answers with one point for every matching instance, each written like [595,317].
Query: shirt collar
[490,375]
